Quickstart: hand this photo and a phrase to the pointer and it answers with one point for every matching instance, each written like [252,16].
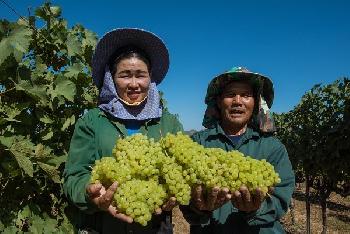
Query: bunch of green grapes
[141,154]
[149,172]
[216,167]
[200,167]
[175,182]
[190,155]
[107,170]
[139,199]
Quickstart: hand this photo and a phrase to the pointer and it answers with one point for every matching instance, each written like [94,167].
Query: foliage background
[45,86]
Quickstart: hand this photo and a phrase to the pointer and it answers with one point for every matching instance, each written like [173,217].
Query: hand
[102,198]
[168,206]
[245,201]
[211,200]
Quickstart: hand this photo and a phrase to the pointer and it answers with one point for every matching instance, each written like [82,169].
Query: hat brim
[216,86]
[152,45]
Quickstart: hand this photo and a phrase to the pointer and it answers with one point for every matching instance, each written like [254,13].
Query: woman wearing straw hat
[238,118]
[127,66]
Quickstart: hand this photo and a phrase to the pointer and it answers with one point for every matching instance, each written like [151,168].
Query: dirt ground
[338,214]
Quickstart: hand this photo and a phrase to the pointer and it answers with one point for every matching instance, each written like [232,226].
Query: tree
[45,85]
[315,133]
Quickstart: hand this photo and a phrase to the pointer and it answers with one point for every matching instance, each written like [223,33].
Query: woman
[127,66]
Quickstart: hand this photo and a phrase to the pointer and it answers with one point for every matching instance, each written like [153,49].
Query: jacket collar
[248,134]
[121,127]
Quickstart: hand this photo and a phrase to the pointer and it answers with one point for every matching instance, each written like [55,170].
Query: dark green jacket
[227,219]
[94,137]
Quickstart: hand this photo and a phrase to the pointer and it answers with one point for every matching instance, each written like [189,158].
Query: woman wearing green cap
[127,66]
[238,118]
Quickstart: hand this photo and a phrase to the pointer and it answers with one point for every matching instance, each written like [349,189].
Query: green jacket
[94,137]
[227,219]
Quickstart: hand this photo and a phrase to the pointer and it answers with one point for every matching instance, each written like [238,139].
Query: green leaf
[73,45]
[90,39]
[74,70]
[10,230]
[48,136]
[46,119]
[51,171]
[56,11]
[6,141]
[37,92]
[57,160]
[38,225]
[65,88]
[22,160]
[88,97]
[68,122]
[16,42]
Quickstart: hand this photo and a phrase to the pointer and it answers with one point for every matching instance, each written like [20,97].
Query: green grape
[175,182]
[107,170]
[139,199]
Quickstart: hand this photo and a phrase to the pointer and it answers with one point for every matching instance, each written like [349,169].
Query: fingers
[237,199]
[114,212]
[245,194]
[170,204]
[212,198]
[93,190]
[198,198]
[106,200]
[158,211]
[223,196]
[258,198]
[124,217]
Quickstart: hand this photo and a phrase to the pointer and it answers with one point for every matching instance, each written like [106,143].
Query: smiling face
[132,80]
[236,105]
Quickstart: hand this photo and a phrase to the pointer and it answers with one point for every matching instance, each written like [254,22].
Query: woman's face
[132,80]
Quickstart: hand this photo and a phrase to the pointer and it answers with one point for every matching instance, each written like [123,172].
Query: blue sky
[296,43]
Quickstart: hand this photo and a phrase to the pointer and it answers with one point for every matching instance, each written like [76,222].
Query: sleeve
[276,205]
[81,157]
[177,126]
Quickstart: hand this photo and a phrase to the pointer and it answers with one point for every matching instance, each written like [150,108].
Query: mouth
[236,112]
[134,95]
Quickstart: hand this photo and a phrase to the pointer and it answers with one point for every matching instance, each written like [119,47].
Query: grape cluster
[107,170]
[175,182]
[141,154]
[217,167]
[150,172]
[139,199]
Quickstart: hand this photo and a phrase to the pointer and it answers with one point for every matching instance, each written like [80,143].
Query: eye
[247,95]
[229,94]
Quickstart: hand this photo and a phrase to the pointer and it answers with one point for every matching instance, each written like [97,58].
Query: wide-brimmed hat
[261,84]
[148,42]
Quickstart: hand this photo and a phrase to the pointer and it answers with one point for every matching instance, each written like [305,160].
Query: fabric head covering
[110,102]
[262,86]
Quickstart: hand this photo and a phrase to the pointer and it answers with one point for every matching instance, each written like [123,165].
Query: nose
[237,99]
[133,82]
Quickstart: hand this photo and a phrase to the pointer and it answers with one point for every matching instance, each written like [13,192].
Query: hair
[127,52]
